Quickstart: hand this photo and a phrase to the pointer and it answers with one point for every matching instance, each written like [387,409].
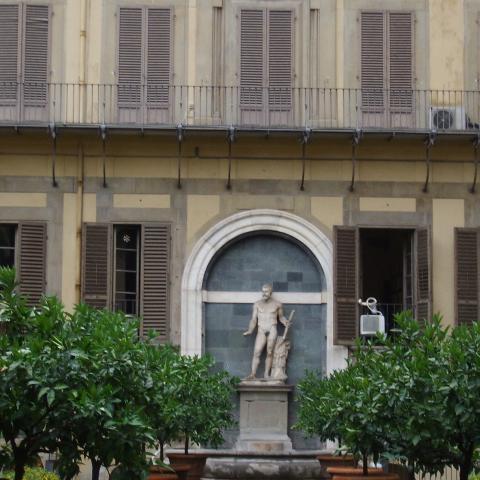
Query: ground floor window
[386,269]
[127,267]
[7,244]
[391,264]
[126,278]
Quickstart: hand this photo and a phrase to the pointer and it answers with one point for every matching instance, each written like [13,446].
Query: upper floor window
[144,64]
[266,65]
[387,59]
[24,60]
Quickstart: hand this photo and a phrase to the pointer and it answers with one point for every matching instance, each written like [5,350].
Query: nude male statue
[267,312]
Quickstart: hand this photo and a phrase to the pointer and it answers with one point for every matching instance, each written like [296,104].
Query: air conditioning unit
[447,118]
[372,324]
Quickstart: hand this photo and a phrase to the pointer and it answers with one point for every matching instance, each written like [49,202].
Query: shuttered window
[155,288]
[266,58]
[130,61]
[466,275]
[144,55]
[378,262]
[96,265]
[9,52]
[387,61]
[111,249]
[346,284]
[32,265]
[423,303]
[24,246]
[24,53]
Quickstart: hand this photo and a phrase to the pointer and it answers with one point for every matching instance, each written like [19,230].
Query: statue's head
[267,291]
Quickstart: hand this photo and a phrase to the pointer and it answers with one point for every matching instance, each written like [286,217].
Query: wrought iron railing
[143,106]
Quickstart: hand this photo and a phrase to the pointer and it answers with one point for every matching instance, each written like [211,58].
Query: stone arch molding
[221,234]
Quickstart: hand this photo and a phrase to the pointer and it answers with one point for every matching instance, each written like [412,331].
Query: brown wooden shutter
[423,299]
[346,284]
[96,264]
[36,53]
[252,58]
[9,47]
[400,61]
[466,275]
[130,56]
[280,59]
[155,304]
[159,52]
[32,239]
[373,60]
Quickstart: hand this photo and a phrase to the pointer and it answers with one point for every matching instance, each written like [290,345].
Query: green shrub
[32,474]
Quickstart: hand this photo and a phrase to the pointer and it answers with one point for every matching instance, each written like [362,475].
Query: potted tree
[204,409]
[346,408]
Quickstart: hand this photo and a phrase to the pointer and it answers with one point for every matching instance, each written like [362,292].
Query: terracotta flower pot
[196,461]
[348,473]
[327,461]
[353,471]
[156,472]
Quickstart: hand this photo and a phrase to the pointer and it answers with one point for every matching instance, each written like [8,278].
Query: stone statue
[267,312]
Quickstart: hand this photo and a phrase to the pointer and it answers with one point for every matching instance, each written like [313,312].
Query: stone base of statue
[264,416]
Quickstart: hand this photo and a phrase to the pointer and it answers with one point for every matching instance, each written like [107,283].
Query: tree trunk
[365,463]
[19,467]
[466,466]
[162,455]
[96,470]
[186,444]
[20,461]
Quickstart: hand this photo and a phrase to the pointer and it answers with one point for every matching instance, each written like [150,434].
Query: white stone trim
[192,329]
[300,298]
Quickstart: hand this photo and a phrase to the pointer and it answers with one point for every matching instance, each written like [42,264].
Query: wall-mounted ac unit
[447,118]
[372,324]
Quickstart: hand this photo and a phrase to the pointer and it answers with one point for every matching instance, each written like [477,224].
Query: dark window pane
[127,303]
[127,260]
[7,235]
[127,237]
[7,257]
[126,282]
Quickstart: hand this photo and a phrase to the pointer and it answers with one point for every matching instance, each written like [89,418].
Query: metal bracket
[53,132]
[230,140]
[180,137]
[306,134]
[103,134]
[476,144]
[355,141]
[429,143]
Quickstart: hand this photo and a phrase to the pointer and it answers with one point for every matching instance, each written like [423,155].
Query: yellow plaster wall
[126,200]
[69,245]
[90,207]
[328,210]
[390,171]
[267,169]
[200,209]
[380,204]
[446,38]
[22,165]
[447,214]
[23,199]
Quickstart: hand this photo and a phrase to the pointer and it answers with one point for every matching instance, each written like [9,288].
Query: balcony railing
[163,106]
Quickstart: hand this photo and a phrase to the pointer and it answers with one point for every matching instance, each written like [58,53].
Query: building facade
[168,157]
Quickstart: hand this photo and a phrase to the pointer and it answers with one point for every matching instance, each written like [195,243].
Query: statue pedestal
[264,417]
